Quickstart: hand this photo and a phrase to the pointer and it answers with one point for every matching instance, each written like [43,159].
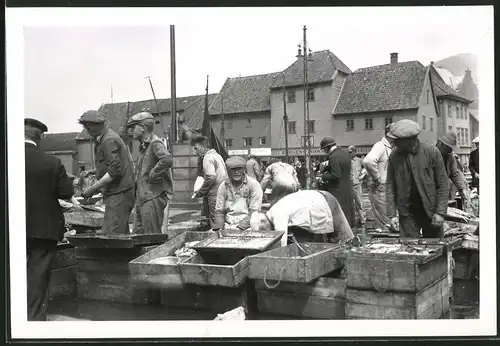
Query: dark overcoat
[337,178]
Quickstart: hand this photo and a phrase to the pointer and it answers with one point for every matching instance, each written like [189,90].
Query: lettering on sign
[260,151]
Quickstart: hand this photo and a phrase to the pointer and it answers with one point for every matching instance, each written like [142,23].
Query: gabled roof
[245,94]
[320,70]
[59,142]
[441,89]
[116,113]
[382,88]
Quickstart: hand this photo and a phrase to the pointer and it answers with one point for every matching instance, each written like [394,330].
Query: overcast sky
[69,70]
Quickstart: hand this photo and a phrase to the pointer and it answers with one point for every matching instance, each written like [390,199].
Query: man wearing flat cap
[114,172]
[376,162]
[417,184]
[238,197]
[46,183]
[337,177]
[153,179]
[474,164]
[457,180]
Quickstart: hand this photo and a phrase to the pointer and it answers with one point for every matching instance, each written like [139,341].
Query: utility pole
[285,119]
[222,129]
[173,98]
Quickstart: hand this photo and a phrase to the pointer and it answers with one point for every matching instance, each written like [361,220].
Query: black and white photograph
[251,172]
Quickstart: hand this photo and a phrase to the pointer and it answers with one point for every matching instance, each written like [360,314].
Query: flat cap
[476,140]
[405,128]
[449,139]
[327,142]
[140,118]
[95,117]
[235,161]
[35,123]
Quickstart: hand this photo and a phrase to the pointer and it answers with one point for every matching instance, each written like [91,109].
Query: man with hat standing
[445,144]
[337,177]
[417,184]
[357,174]
[474,164]
[114,172]
[376,162]
[153,181]
[237,198]
[46,183]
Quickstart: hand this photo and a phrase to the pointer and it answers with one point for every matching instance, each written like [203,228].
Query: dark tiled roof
[195,118]
[319,70]
[441,89]
[116,113]
[245,94]
[382,88]
[59,142]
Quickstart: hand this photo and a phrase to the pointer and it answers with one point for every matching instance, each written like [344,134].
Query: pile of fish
[180,255]
[458,215]
[398,249]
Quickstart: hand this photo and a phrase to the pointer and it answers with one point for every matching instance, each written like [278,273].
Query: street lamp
[307,140]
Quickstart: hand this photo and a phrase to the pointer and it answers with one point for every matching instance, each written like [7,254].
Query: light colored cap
[235,161]
[449,139]
[405,128]
[140,118]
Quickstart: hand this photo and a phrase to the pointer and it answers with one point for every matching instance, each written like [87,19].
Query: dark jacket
[112,157]
[46,182]
[430,175]
[153,171]
[474,162]
[454,173]
[337,179]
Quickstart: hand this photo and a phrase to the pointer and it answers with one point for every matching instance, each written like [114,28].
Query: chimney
[468,73]
[394,58]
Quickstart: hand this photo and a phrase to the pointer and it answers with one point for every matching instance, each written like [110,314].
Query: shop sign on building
[260,151]
[237,152]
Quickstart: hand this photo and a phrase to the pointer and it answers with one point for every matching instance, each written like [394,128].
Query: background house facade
[63,146]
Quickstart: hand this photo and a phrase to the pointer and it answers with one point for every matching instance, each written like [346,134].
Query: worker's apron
[238,210]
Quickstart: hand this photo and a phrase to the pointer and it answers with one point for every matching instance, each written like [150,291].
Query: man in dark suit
[46,182]
[337,177]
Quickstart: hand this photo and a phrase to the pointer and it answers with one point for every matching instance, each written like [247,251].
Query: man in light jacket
[214,173]
[153,181]
[357,174]
[376,162]
[282,178]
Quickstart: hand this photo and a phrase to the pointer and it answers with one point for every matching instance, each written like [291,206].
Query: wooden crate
[430,303]
[163,275]
[323,298]
[466,264]
[197,270]
[87,218]
[471,242]
[115,241]
[396,272]
[103,274]
[63,274]
[211,298]
[291,264]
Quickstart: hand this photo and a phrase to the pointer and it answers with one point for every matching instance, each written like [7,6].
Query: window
[311,127]
[157,121]
[462,130]
[458,112]
[450,128]
[427,96]
[466,136]
[229,142]
[229,125]
[388,121]
[368,124]
[249,122]
[292,127]
[431,124]
[310,94]
[262,140]
[465,113]
[247,141]
[291,96]
[423,122]
[459,135]
[449,111]
[350,125]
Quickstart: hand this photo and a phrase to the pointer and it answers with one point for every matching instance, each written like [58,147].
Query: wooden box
[395,271]
[323,298]
[163,275]
[210,298]
[63,275]
[292,264]
[430,303]
[115,241]
[87,218]
[103,274]
[200,271]
[471,242]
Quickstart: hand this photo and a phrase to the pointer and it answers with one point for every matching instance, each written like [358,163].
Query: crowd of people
[408,186]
